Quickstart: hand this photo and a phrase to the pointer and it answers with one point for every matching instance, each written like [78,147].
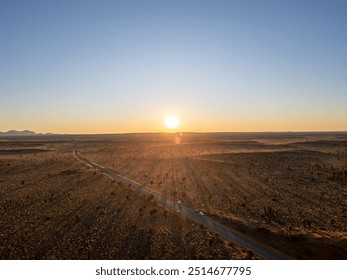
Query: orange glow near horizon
[199,120]
[189,125]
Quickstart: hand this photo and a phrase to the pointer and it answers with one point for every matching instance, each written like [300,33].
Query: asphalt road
[259,248]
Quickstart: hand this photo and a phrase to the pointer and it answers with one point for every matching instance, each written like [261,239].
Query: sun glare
[172,122]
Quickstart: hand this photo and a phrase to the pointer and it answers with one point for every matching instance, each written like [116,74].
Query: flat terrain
[287,190]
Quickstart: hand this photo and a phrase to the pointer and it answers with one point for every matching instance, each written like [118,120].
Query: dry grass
[287,190]
[54,207]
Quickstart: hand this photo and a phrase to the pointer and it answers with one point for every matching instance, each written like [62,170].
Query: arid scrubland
[54,207]
[287,190]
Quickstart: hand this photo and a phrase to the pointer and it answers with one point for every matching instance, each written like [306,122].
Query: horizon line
[174,132]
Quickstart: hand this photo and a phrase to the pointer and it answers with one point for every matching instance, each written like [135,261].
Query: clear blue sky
[122,66]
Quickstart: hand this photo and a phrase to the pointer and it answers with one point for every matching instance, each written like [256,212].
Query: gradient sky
[123,66]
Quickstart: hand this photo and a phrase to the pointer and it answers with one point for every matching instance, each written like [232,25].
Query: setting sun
[172,122]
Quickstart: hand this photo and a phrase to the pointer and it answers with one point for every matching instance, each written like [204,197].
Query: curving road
[232,235]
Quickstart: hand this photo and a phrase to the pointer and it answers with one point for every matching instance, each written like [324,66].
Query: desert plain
[285,190]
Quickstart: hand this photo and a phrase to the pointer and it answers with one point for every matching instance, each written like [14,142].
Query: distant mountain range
[17,133]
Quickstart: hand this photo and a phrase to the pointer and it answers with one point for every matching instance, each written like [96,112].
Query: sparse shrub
[167,255]
[270,213]
[332,222]
[289,229]
[201,256]
[22,182]
[249,254]
[307,223]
